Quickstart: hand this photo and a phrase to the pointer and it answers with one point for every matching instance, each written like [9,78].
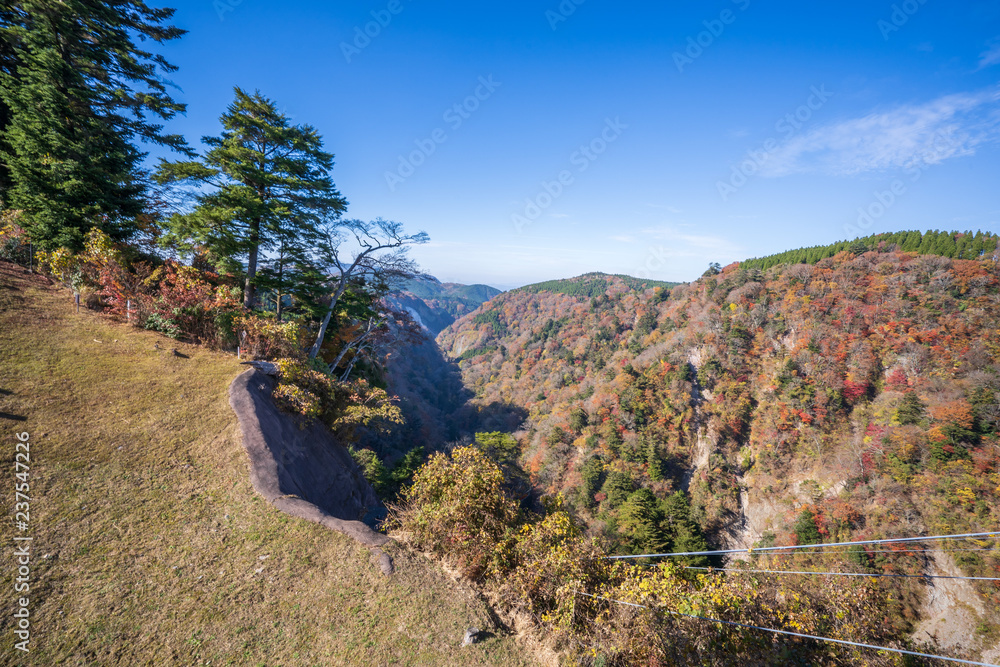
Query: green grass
[148,536]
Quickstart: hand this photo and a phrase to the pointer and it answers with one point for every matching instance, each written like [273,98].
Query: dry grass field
[150,545]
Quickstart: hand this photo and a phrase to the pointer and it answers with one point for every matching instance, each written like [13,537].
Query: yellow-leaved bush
[457,508]
[267,338]
[615,612]
[343,406]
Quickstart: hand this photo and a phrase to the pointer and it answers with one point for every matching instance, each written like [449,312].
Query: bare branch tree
[383,333]
[355,250]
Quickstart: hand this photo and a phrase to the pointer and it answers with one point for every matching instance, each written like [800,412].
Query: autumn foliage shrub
[266,338]
[457,508]
[193,301]
[600,611]
[343,406]
[177,300]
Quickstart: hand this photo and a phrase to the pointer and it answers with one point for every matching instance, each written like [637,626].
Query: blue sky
[619,137]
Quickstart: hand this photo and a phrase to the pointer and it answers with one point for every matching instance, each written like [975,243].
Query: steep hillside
[150,545]
[435,305]
[856,397]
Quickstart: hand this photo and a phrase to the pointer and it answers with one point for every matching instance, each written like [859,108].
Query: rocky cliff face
[304,472]
[435,305]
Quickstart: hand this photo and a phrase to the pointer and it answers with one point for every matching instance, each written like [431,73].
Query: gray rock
[384,562]
[471,636]
[304,472]
[265,367]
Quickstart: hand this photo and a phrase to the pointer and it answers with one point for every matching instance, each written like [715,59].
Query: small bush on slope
[544,568]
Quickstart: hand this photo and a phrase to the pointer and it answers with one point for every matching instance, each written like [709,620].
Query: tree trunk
[322,329]
[281,285]
[250,292]
[340,357]
[329,313]
[350,367]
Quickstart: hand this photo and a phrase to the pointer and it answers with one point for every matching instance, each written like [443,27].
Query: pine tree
[269,188]
[805,528]
[639,521]
[683,533]
[78,95]
[592,475]
[290,280]
[9,62]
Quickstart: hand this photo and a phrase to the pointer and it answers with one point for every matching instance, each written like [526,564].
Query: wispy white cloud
[990,56]
[672,209]
[623,239]
[671,253]
[683,244]
[915,135]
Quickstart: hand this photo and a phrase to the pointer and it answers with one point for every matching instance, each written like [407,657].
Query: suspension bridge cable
[793,634]
[879,551]
[843,574]
[928,538]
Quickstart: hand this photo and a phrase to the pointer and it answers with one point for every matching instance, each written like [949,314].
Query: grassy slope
[158,549]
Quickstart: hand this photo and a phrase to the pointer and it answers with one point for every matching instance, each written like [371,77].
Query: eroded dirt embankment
[303,472]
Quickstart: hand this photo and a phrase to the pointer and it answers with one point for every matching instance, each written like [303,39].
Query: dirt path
[952,607]
[705,443]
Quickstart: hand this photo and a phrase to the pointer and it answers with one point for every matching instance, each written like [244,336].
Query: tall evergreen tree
[77,96]
[268,188]
[290,280]
[638,524]
[9,60]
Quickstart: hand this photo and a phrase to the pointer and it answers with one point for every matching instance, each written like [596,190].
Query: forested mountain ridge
[435,305]
[967,245]
[856,397]
[593,284]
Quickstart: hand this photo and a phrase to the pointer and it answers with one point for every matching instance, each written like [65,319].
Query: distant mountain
[824,394]
[429,387]
[435,305]
[593,284]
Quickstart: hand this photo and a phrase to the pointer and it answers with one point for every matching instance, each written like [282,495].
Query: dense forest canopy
[593,284]
[956,245]
[853,397]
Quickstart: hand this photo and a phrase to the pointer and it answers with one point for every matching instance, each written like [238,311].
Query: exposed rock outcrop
[304,472]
